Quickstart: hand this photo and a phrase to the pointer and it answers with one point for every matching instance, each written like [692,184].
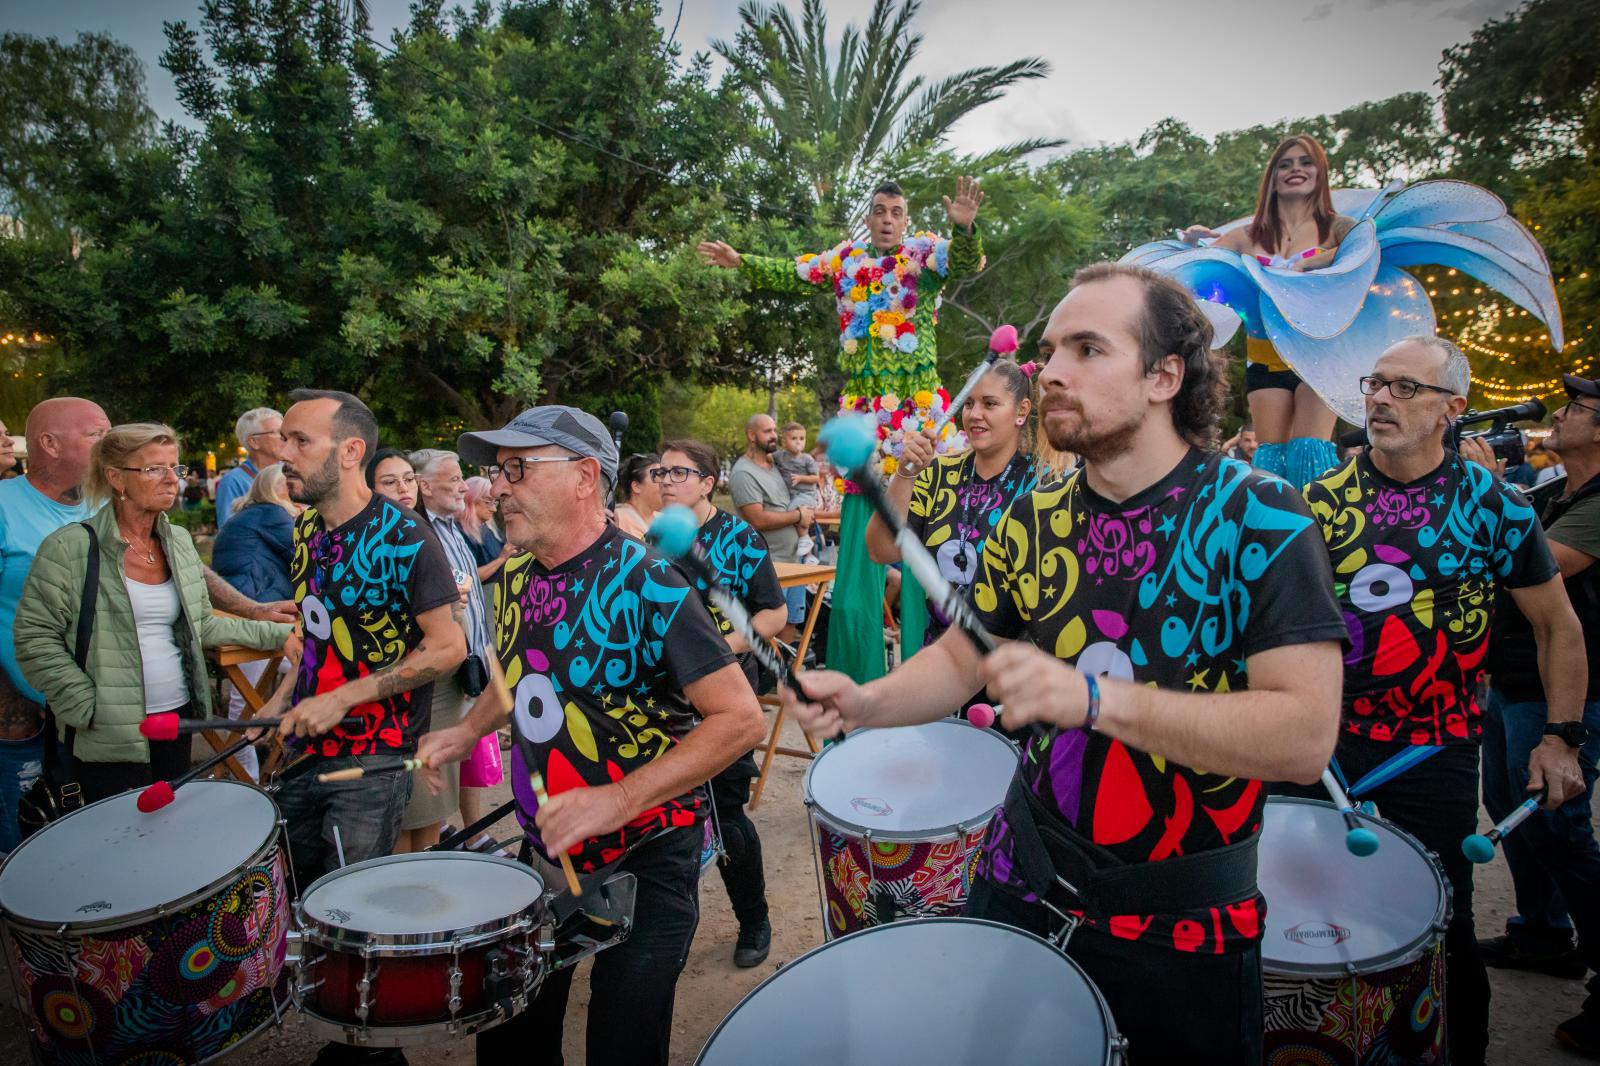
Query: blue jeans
[796,599]
[21,762]
[366,812]
[1554,860]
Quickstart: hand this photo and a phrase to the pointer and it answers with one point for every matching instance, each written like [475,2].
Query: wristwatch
[1576,734]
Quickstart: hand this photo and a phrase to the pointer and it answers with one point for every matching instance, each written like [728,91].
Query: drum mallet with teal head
[1358,839]
[1479,847]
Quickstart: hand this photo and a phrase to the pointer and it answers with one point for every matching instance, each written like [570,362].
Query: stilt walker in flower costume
[886,289]
[1331,296]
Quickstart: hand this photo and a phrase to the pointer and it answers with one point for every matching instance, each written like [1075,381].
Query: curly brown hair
[1173,324]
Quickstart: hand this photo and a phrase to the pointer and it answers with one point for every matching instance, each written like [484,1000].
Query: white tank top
[155,612]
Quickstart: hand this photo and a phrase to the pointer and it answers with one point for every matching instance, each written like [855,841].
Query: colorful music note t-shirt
[738,555]
[1417,567]
[952,510]
[1175,587]
[597,652]
[360,588]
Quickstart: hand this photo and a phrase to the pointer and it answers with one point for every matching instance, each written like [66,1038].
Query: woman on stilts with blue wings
[1315,277]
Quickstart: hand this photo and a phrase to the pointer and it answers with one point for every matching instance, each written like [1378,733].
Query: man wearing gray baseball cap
[612,657]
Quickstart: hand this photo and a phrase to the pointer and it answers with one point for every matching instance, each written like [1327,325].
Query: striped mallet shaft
[1358,839]
[1479,847]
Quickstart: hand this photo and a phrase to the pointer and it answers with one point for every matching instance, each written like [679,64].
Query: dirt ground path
[1526,1006]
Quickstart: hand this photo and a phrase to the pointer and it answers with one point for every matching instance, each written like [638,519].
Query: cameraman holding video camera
[1554,860]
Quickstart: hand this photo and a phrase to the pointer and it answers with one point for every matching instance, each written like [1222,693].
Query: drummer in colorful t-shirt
[738,555]
[952,502]
[612,660]
[1420,541]
[1170,623]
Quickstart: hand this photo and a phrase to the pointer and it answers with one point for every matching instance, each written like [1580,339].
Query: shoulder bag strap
[80,650]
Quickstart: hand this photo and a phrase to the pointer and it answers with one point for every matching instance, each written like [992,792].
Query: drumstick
[850,441]
[673,533]
[983,715]
[168,726]
[1479,847]
[536,779]
[158,795]
[355,773]
[1002,341]
[1358,839]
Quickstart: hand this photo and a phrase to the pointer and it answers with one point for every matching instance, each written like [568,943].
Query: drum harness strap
[1068,872]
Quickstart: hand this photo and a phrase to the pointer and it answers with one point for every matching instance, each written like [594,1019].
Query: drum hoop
[423,942]
[1424,943]
[403,1035]
[1113,1037]
[930,835]
[161,910]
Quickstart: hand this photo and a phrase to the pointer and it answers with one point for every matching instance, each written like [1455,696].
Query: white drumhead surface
[425,892]
[1326,907]
[914,779]
[110,860]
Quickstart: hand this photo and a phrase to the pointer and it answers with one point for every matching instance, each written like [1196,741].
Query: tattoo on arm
[224,597]
[399,677]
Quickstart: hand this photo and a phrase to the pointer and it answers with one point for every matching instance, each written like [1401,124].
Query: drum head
[429,892]
[109,861]
[912,782]
[1329,911]
[935,990]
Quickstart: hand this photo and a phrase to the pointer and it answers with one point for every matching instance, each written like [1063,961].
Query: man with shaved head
[60,433]
[763,500]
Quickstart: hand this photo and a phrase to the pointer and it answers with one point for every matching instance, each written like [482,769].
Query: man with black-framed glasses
[626,699]
[1420,540]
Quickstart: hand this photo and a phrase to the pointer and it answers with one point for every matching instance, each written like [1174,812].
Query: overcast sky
[1118,65]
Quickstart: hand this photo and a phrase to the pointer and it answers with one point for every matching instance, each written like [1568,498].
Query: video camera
[1507,443]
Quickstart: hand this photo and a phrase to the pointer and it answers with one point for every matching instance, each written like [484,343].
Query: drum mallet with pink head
[158,795]
[1002,341]
[1479,847]
[673,532]
[1358,839]
[168,726]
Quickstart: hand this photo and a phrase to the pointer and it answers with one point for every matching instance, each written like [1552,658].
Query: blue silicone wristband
[1091,714]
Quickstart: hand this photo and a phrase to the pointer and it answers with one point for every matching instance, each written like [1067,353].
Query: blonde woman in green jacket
[152,618]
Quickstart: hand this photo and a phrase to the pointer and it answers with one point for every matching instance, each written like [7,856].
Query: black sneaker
[1506,952]
[753,946]
[1581,1034]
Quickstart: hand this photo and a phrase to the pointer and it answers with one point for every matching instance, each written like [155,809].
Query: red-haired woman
[1296,228]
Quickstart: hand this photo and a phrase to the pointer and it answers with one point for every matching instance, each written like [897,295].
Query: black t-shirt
[1417,568]
[738,556]
[1513,652]
[1175,587]
[360,588]
[597,652]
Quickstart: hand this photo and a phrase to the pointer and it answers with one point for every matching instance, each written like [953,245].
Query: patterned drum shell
[898,817]
[161,936]
[408,949]
[946,990]
[1353,952]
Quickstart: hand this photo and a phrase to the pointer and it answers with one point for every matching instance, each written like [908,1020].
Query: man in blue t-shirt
[257,432]
[60,433]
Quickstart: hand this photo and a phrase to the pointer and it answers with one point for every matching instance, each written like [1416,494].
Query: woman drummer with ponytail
[951,502]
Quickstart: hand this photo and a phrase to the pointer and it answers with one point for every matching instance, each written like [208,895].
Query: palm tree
[843,121]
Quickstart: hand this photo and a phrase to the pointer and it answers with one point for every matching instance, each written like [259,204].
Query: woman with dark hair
[390,474]
[1294,228]
[638,493]
[950,502]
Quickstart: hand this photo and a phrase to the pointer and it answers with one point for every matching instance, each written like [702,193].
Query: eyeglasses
[156,473]
[676,474]
[396,480]
[1584,407]
[1399,388]
[515,468]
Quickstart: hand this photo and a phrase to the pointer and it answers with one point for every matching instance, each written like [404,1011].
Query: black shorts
[1257,376]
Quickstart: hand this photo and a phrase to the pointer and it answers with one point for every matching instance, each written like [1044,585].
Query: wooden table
[230,657]
[793,575]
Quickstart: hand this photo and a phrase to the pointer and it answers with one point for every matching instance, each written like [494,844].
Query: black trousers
[742,872]
[632,985]
[1171,1006]
[1435,801]
[100,780]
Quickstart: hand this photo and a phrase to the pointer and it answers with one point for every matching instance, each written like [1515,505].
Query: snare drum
[1353,955]
[151,937]
[408,949]
[898,817]
[942,990]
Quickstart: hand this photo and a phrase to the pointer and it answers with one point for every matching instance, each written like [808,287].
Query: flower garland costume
[1330,325]
[887,306]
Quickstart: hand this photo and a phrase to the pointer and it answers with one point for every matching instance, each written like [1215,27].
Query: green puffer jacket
[105,704]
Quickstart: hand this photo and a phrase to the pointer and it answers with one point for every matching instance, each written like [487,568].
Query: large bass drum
[157,938]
